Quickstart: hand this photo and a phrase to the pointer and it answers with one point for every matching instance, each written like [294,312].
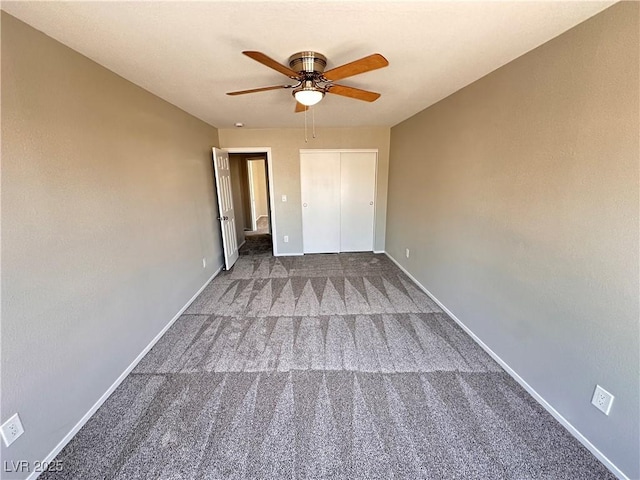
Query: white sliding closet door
[320,190]
[338,201]
[357,201]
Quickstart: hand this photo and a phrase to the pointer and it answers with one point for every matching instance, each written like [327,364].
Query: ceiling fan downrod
[310,63]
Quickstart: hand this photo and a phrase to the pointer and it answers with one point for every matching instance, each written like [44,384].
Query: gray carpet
[262,227]
[257,245]
[322,366]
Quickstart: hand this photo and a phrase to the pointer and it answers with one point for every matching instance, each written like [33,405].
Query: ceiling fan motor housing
[308,62]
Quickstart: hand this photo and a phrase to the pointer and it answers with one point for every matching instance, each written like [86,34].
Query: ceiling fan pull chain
[306,140]
[313,122]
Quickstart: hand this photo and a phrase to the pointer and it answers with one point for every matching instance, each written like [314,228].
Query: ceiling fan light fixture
[308,96]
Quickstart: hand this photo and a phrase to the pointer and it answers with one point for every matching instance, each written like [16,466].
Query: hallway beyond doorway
[262,227]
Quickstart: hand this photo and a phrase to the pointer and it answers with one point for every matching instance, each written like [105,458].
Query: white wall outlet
[11,430]
[602,400]
[406,253]
[284,198]
[204,262]
[286,239]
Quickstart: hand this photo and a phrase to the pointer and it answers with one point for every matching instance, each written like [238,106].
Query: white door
[320,191]
[226,214]
[357,201]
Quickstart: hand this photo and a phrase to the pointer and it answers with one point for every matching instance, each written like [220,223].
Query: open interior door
[226,215]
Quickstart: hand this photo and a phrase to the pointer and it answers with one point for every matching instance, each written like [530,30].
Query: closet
[338,200]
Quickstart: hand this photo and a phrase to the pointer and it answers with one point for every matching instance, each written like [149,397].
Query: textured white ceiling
[189,53]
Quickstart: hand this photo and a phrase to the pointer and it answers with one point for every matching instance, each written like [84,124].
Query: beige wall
[518,198]
[285,149]
[107,211]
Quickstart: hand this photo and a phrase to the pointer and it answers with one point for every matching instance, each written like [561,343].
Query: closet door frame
[375,189]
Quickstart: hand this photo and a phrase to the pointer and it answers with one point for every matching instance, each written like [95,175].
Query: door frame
[272,202]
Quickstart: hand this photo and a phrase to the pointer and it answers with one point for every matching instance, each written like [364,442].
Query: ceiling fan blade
[271,63]
[300,107]
[366,64]
[353,93]
[254,90]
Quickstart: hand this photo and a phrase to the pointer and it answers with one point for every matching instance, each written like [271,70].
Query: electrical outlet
[11,430]
[204,262]
[406,253]
[602,400]
[286,239]
[284,198]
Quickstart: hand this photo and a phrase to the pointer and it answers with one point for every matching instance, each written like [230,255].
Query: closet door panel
[357,201]
[320,191]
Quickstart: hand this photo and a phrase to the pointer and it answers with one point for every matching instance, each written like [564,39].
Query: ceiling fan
[312,82]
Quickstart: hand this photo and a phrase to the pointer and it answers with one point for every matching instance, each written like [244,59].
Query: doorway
[258,197]
[252,196]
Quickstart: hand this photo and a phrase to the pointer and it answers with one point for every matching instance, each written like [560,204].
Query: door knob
[304,204]
[370,203]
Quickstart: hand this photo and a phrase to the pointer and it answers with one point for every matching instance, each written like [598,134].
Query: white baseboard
[67,438]
[547,406]
[243,242]
[288,254]
[381,251]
